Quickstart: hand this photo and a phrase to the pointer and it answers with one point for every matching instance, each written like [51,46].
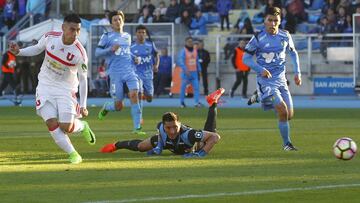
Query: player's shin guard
[129,144]
[136,115]
[210,124]
[62,140]
[285,131]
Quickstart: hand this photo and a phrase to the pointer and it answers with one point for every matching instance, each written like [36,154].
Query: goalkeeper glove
[200,154]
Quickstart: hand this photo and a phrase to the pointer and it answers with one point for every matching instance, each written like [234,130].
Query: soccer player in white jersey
[270,47]
[63,70]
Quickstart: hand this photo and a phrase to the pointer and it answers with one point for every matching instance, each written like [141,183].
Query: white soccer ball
[344,148]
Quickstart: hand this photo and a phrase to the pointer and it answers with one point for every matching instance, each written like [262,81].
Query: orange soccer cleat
[109,148]
[214,97]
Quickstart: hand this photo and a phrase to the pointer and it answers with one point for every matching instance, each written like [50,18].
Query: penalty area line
[225,194]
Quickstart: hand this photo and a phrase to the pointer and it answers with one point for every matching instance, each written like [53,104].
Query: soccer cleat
[88,134]
[109,148]
[289,147]
[139,132]
[183,105]
[214,97]
[253,99]
[103,112]
[75,158]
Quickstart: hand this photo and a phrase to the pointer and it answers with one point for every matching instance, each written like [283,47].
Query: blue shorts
[117,85]
[270,96]
[148,87]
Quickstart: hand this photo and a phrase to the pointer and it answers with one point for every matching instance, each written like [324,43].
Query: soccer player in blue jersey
[270,47]
[145,51]
[115,46]
[177,137]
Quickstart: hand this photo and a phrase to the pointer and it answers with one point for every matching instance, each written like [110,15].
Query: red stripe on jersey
[59,59]
[53,33]
[80,47]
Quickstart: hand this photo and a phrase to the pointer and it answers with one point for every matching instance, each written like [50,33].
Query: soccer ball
[344,148]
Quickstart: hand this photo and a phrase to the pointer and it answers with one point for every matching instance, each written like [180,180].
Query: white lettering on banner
[321,84]
[341,84]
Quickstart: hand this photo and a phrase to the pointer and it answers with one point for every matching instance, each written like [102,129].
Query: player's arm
[31,50]
[83,86]
[102,49]
[156,57]
[206,137]
[248,60]
[295,60]
[4,60]
[210,139]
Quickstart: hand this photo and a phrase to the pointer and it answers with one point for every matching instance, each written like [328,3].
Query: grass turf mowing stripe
[255,192]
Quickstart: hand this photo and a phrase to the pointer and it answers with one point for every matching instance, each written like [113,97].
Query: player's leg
[286,95]
[5,82]
[245,83]
[213,98]
[69,112]
[236,84]
[133,84]
[195,84]
[283,116]
[117,92]
[148,86]
[49,113]
[184,82]
[133,145]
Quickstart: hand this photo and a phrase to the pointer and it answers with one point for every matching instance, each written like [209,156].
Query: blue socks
[109,106]
[136,115]
[285,131]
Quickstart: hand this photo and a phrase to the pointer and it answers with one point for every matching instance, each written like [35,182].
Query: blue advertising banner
[334,86]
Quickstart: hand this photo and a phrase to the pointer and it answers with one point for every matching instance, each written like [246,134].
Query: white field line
[225,194]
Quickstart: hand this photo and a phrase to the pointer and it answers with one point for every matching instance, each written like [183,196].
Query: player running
[177,137]
[63,70]
[115,45]
[145,51]
[270,47]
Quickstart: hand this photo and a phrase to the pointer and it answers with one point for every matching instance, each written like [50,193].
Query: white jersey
[61,66]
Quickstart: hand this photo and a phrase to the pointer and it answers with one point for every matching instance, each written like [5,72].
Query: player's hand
[14,48]
[297,79]
[155,68]
[137,60]
[266,74]
[84,112]
[115,47]
[199,154]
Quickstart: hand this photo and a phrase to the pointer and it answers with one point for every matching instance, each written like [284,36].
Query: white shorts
[64,108]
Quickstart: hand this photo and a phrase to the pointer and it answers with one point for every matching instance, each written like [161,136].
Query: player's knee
[133,95]
[66,127]
[119,106]
[216,138]
[52,124]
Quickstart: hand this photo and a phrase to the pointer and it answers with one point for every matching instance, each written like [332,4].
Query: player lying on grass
[177,137]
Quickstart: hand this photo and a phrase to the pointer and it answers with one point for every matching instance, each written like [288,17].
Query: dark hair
[187,38]
[274,11]
[72,18]
[115,13]
[169,117]
[142,27]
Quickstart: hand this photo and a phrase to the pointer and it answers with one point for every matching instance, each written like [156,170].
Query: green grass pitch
[247,165]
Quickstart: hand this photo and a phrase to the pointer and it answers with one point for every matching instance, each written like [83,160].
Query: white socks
[78,126]
[62,140]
